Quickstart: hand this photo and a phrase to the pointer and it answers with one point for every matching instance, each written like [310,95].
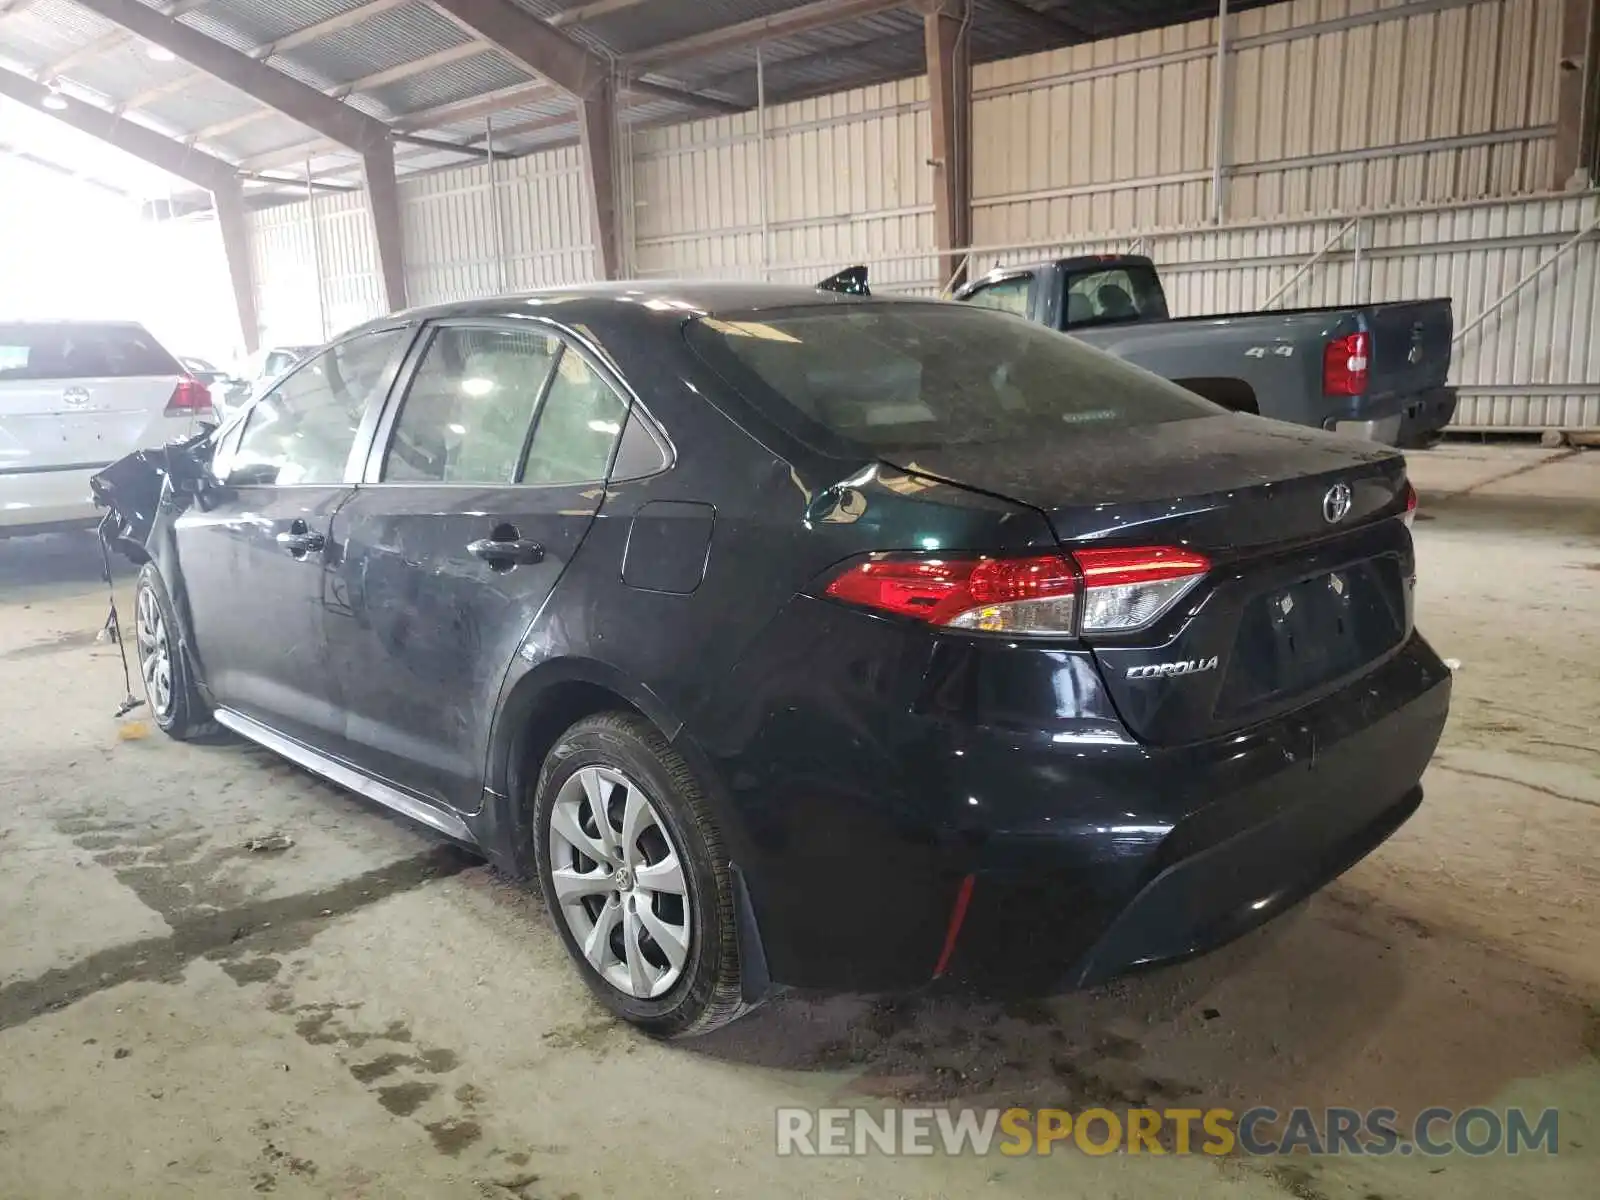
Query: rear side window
[578,425]
[81,350]
[1119,294]
[470,405]
[302,430]
[877,375]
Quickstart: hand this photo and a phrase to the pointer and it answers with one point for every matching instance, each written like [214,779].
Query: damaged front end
[135,487]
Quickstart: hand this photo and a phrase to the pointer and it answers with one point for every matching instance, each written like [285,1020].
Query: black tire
[707,993]
[184,715]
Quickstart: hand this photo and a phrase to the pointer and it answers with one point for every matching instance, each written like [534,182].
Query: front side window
[1007,295]
[470,405]
[865,377]
[302,430]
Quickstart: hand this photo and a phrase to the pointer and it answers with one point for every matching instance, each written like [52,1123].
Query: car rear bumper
[1394,420]
[41,500]
[1072,860]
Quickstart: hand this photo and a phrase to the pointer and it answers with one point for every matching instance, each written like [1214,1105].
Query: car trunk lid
[1309,582]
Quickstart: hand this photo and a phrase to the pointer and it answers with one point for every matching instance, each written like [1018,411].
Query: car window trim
[361,443]
[371,474]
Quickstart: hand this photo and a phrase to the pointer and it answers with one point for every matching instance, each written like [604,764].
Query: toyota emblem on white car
[1336,504]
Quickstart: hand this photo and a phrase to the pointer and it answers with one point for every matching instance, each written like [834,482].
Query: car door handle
[506,552]
[300,542]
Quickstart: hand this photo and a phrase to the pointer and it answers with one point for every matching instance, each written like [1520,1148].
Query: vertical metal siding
[1434,125]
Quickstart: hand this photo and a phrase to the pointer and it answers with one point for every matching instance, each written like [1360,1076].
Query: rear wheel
[168,683]
[634,874]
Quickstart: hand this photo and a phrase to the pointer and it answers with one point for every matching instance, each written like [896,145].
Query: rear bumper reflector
[958,914]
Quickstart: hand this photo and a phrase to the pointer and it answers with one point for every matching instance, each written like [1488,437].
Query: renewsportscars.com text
[1215,1131]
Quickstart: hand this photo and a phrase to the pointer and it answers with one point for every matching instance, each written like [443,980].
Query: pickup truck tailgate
[1410,347]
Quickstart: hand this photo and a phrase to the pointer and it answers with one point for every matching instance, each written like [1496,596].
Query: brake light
[1344,365]
[1410,515]
[189,397]
[1048,595]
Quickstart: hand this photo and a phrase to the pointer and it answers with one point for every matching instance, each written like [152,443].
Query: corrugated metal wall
[1404,111]
[461,239]
[846,178]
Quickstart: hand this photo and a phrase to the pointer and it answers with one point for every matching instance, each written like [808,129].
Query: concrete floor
[372,1014]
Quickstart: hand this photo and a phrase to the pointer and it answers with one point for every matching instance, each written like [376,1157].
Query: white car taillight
[1128,589]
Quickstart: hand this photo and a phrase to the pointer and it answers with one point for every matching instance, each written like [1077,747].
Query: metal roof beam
[815,15]
[375,80]
[175,158]
[1052,24]
[108,43]
[203,170]
[257,80]
[366,135]
[571,67]
[587,12]
[474,107]
[266,50]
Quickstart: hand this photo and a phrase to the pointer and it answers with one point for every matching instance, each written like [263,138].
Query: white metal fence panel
[839,177]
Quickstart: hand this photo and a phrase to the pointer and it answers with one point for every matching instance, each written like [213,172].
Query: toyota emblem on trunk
[1336,504]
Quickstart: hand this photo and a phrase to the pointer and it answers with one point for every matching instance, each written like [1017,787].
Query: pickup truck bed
[1377,370]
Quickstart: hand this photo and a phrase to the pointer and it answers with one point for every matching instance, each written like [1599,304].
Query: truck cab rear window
[1118,294]
[81,350]
[907,375]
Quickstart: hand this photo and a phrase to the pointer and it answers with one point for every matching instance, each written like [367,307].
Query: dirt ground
[372,1014]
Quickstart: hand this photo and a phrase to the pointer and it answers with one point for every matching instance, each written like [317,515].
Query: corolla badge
[1166,670]
[1336,504]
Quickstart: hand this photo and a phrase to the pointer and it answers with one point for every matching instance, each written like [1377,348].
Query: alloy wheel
[155,652]
[619,881]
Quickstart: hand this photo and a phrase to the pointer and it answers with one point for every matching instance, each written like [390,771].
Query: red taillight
[1090,591]
[189,397]
[1344,365]
[1410,514]
[966,593]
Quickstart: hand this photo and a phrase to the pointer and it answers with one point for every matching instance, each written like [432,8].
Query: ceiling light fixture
[159,53]
[53,99]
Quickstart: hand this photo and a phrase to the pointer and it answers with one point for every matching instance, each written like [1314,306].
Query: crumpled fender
[134,486]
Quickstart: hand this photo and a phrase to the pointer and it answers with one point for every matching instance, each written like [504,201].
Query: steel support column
[1577,150]
[203,170]
[349,127]
[946,43]
[235,227]
[383,201]
[597,126]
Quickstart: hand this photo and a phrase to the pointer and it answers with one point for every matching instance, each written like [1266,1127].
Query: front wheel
[634,874]
[169,686]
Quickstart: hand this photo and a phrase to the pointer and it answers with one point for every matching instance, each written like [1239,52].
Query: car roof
[674,300]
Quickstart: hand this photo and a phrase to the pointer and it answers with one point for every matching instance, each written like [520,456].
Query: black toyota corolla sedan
[794,638]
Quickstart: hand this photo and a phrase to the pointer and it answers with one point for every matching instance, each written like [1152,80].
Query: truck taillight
[1410,515]
[1344,365]
[189,398]
[1048,595]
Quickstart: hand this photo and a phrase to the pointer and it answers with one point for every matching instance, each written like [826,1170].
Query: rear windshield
[1124,293]
[81,350]
[907,375]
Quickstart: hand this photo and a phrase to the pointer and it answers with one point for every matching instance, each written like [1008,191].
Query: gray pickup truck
[1376,370]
